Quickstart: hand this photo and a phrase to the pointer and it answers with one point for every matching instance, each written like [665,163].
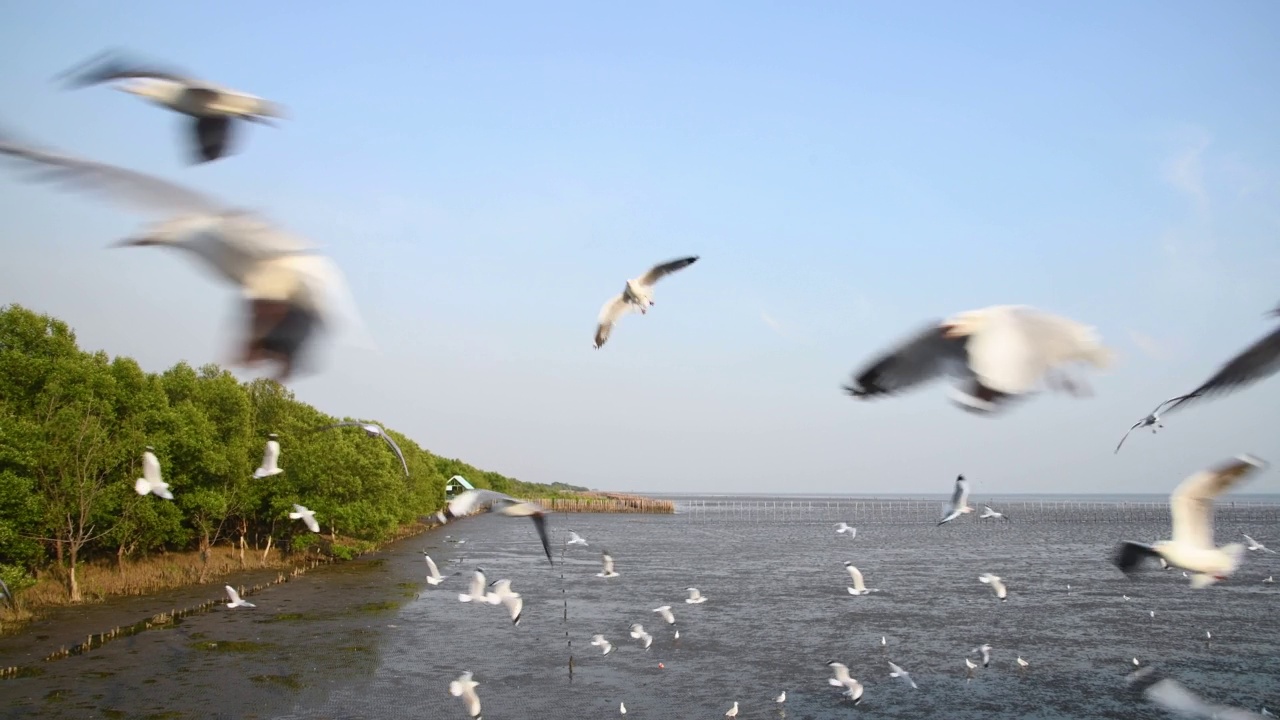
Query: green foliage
[73,426]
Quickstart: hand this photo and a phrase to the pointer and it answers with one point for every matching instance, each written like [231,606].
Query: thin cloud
[773,324]
[1185,169]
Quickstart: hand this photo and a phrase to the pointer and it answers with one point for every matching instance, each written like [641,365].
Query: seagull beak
[132,242]
[952,330]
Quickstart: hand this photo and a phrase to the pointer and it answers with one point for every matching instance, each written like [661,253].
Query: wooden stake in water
[565,597]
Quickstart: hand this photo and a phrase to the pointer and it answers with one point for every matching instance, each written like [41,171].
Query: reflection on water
[374,640]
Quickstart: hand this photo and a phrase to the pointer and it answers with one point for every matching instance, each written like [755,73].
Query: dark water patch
[232,646]
[289,681]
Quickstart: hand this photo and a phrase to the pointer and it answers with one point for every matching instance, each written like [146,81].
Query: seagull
[971,665]
[781,698]
[636,295]
[212,107]
[695,596]
[895,671]
[986,654]
[374,430]
[858,587]
[490,501]
[1152,421]
[997,354]
[1191,505]
[576,539]
[733,711]
[622,708]
[1255,545]
[1136,663]
[853,688]
[1022,664]
[844,528]
[465,688]
[502,594]
[269,459]
[433,572]
[987,512]
[150,481]
[306,516]
[1172,696]
[476,593]
[637,632]
[665,612]
[290,290]
[959,504]
[996,584]
[1270,579]
[884,642]
[607,561]
[235,598]
[1254,363]
[600,642]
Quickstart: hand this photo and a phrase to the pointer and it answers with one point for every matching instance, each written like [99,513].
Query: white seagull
[1022,664]
[213,108]
[898,672]
[270,458]
[636,295]
[844,528]
[433,572]
[235,598]
[503,594]
[695,596]
[638,632]
[622,708]
[986,654]
[665,612]
[475,593]
[374,430]
[859,588]
[490,501]
[781,698]
[852,688]
[607,561]
[997,354]
[1152,421]
[987,512]
[1270,579]
[600,642]
[1191,506]
[971,665]
[959,504]
[290,290]
[306,516]
[465,688]
[150,482]
[576,539]
[996,584]
[733,711]
[1255,545]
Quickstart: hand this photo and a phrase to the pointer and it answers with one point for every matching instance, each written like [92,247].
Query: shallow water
[371,639]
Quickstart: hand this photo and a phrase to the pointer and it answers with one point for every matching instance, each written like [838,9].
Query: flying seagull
[987,512]
[997,354]
[1255,545]
[150,481]
[959,504]
[1152,421]
[490,501]
[996,584]
[476,592]
[504,595]
[638,632]
[607,562]
[896,671]
[1172,696]
[852,688]
[576,539]
[1191,507]
[858,587]
[290,290]
[373,430]
[235,598]
[212,108]
[636,295]
[695,596]
[306,516]
[600,642]
[465,688]
[270,458]
[665,612]
[971,666]
[985,649]
[844,528]
[1254,363]
[433,572]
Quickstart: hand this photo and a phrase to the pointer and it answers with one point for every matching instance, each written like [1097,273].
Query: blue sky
[488,175]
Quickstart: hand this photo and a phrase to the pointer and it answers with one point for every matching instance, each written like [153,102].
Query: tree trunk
[73,587]
[242,546]
[204,556]
[120,559]
[266,553]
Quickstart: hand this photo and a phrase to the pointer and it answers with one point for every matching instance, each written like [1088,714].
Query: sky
[488,175]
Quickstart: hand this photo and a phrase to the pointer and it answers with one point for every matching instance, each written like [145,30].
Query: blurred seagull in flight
[998,354]
[665,612]
[898,672]
[465,688]
[291,291]
[1254,363]
[503,595]
[475,593]
[600,642]
[844,528]
[235,598]
[859,588]
[971,665]
[852,688]
[996,584]
[959,504]
[433,572]
[606,561]
[308,517]
[636,295]
[638,632]
[213,108]
[1152,421]
[471,501]
[1191,507]
[270,458]
[986,654]
[373,430]
[1255,545]
[150,481]
[576,539]
[695,596]
[987,512]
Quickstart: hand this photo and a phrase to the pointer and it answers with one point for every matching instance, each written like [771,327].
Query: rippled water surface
[371,639]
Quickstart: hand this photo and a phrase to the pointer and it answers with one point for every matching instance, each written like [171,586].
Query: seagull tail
[141,486]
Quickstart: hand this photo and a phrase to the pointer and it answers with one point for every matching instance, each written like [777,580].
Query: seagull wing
[231,593]
[1254,363]
[271,456]
[1126,434]
[856,574]
[150,468]
[657,272]
[607,560]
[923,357]
[113,65]
[396,448]
[478,499]
[431,567]
[610,314]
[1191,503]
[540,524]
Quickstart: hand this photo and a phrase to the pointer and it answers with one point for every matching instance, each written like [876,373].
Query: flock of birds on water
[996,356]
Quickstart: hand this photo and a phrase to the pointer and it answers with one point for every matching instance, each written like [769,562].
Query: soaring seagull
[852,688]
[234,598]
[1152,421]
[859,587]
[151,482]
[465,688]
[1191,507]
[501,503]
[211,107]
[308,517]
[997,354]
[987,512]
[959,503]
[1254,363]
[373,430]
[270,458]
[637,294]
[290,290]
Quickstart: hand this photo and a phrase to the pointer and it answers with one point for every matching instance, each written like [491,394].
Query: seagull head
[150,449]
[964,324]
[273,436]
